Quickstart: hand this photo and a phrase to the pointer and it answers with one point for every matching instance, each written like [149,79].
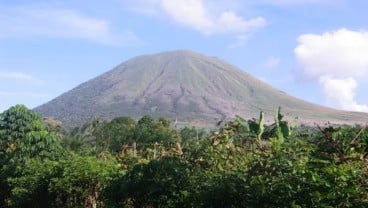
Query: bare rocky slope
[186,86]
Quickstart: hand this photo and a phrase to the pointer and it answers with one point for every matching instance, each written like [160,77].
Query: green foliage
[23,136]
[283,128]
[121,132]
[123,163]
[279,129]
[226,190]
[342,144]
[190,139]
[30,188]
[81,180]
[52,125]
[73,181]
[149,132]
[75,143]
[256,127]
[112,135]
[260,126]
[187,134]
[160,183]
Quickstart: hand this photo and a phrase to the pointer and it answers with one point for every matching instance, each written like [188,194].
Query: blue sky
[316,50]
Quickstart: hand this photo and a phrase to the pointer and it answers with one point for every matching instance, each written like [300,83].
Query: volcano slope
[186,86]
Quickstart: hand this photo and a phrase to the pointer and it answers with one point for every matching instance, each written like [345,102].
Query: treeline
[124,163]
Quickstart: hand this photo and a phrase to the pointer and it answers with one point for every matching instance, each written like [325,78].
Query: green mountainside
[184,86]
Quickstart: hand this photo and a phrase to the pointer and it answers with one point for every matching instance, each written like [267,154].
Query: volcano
[185,86]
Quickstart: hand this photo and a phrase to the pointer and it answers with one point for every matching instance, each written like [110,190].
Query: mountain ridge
[182,85]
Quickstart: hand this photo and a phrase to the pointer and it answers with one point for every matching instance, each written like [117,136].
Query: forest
[150,163]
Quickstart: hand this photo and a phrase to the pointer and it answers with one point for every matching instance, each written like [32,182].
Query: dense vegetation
[124,163]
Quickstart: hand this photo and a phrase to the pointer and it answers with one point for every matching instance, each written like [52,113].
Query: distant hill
[186,86]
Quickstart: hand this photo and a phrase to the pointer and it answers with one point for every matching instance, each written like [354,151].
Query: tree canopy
[23,136]
[147,163]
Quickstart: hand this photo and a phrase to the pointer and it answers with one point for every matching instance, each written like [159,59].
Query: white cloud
[240,40]
[18,76]
[342,91]
[142,6]
[190,13]
[296,2]
[272,62]
[194,14]
[341,53]
[332,57]
[38,21]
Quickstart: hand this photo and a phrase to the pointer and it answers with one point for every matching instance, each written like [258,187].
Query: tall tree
[23,136]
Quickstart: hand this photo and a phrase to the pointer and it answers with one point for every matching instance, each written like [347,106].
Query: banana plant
[283,128]
[260,126]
